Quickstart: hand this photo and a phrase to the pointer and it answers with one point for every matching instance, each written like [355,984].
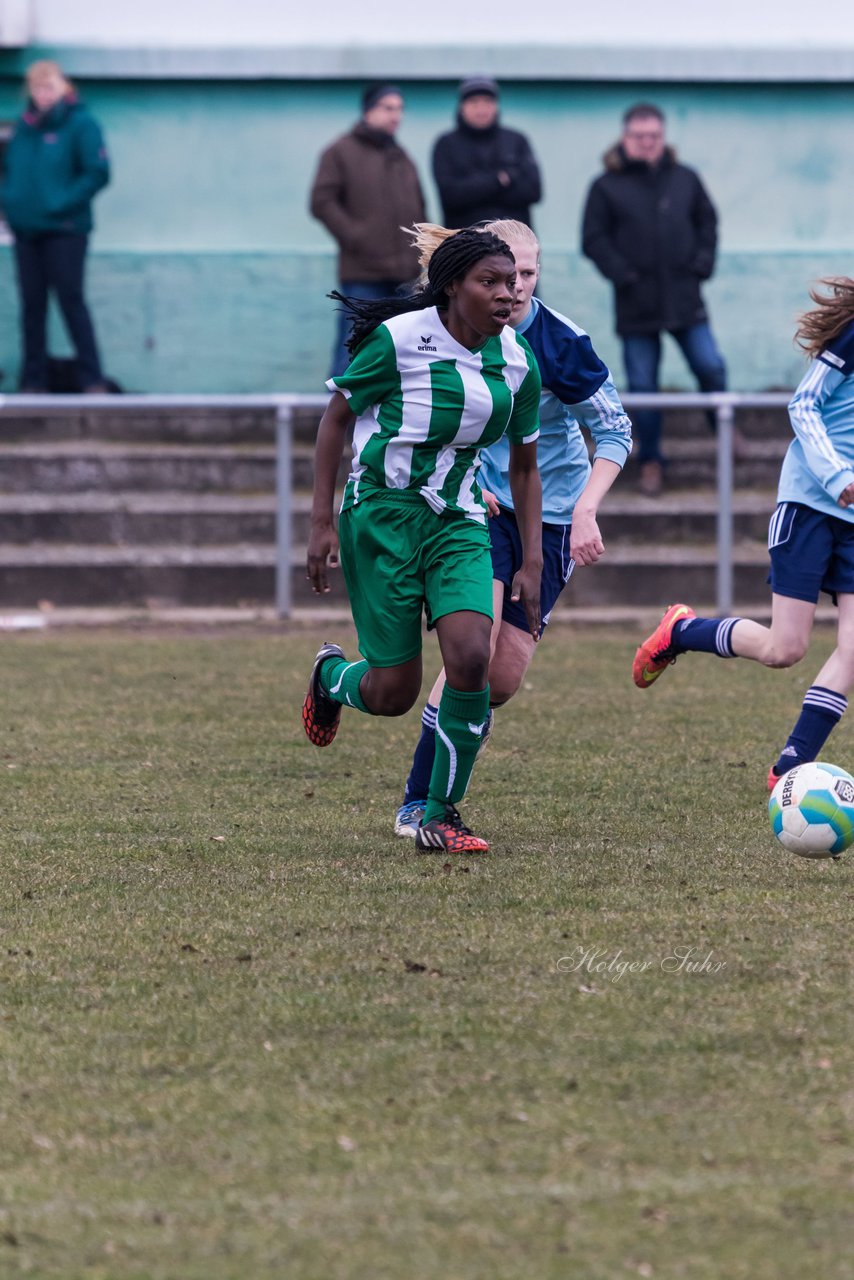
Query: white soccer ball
[812,810]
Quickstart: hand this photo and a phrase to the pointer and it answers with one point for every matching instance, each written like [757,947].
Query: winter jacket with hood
[56,162]
[651,231]
[466,164]
[366,188]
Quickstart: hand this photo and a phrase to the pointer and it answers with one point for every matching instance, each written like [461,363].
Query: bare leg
[783,643]
[464,642]
[510,661]
[838,672]
[391,691]
[511,651]
[825,701]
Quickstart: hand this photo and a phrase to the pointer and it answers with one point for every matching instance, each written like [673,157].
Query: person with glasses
[650,228]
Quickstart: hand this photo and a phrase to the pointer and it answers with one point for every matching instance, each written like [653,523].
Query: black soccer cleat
[320,714]
[448,834]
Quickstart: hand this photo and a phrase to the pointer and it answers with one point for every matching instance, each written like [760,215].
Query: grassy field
[245,1032]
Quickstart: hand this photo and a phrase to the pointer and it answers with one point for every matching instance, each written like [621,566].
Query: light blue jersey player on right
[810,541]
[577,389]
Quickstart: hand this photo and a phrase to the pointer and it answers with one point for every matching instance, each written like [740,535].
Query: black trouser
[54,263]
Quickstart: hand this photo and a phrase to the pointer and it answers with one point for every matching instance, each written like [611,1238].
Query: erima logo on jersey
[424,345]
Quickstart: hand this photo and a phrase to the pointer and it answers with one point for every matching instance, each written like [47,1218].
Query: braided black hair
[451,260]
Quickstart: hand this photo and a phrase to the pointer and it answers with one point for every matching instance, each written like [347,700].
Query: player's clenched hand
[526,587]
[846,497]
[491,502]
[585,543]
[322,550]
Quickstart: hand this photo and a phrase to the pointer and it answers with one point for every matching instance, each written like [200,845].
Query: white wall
[618,23]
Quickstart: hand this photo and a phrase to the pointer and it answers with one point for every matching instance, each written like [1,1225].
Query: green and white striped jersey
[426,406]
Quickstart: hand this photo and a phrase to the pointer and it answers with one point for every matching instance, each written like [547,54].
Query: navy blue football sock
[821,712]
[418,782]
[705,635]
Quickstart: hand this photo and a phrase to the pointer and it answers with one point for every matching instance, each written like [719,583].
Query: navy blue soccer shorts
[811,552]
[506,545]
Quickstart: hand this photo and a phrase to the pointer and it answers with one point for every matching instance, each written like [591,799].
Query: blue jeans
[356,289]
[47,264]
[642,356]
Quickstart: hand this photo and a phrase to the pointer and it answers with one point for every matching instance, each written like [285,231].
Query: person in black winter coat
[482,170]
[651,229]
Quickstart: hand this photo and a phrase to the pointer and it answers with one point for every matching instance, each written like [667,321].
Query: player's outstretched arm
[323,540]
[585,544]
[527,492]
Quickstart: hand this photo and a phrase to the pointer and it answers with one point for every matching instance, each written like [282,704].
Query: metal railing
[282,405]
[723,404]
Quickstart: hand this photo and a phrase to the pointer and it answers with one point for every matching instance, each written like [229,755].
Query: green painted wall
[208,275]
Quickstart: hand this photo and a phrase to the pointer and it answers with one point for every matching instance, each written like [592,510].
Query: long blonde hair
[427,236]
[833,312]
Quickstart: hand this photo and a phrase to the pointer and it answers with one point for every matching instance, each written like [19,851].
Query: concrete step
[144,576]
[149,426]
[683,516]
[195,519]
[642,575]
[77,467]
[637,575]
[692,463]
[204,424]
[76,464]
[143,425]
[123,519]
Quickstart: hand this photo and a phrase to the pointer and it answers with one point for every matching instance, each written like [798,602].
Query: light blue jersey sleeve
[608,423]
[819,463]
[577,389]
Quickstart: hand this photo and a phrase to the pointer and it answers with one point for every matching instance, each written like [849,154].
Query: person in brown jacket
[365,191]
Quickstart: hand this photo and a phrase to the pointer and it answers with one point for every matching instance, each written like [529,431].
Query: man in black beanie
[365,190]
[484,171]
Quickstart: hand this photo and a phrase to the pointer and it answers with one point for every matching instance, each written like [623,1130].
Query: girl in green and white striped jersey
[435,377]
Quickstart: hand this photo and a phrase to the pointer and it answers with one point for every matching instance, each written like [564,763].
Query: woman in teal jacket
[56,161]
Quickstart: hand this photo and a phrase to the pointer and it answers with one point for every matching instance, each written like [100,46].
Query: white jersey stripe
[452,752]
[806,417]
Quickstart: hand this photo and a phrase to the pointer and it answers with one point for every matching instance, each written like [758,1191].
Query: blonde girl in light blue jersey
[577,392]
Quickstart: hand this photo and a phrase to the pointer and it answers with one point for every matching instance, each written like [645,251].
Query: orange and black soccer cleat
[320,714]
[657,651]
[448,835]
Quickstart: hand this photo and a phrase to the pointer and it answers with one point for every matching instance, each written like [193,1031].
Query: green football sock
[459,725]
[340,680]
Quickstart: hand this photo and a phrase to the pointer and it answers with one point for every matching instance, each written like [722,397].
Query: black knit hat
[375,92]
[478,84]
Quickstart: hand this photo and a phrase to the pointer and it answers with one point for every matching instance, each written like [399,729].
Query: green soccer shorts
[399,557]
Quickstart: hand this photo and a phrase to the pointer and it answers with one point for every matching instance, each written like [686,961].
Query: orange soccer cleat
[657,650]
